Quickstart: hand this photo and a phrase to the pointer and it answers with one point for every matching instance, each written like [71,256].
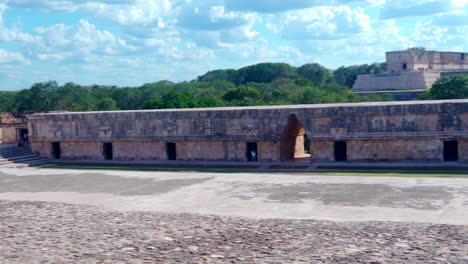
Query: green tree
[219,75]
[311,95]
[316,73]
[417,49]
[243,95]
[265,73]
[208,102]
[7,101]
[39,98]
[128,98]
[172,100]
[73,97]
[106,104]
[156,89]
[347,75]
[452,87]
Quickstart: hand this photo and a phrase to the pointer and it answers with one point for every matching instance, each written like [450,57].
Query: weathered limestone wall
[7,135]
[382,150]
[462,149]
[387,150]
[322,150]
[156,150]
[9,124]
[373,131]
[396,81]
[426,60]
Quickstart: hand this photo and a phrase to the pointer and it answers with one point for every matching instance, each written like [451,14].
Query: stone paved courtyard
[57,216]
[38,232]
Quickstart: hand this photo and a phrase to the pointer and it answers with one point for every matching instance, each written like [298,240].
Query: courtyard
[86,216]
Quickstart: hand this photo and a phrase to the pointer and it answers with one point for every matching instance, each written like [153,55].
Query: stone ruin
[413,70]
[418,131]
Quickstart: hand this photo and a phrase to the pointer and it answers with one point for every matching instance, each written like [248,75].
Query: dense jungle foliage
[261,84]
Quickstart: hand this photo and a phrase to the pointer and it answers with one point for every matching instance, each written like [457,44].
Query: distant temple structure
[413,70]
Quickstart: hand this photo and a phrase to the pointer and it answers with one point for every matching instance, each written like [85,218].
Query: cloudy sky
[131,42]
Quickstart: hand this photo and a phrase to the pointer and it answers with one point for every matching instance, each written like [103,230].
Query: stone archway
[293,140]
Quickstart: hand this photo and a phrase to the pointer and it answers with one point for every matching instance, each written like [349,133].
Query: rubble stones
[37,232]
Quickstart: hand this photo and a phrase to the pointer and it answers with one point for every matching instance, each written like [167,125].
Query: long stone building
[413,70]
[426,131]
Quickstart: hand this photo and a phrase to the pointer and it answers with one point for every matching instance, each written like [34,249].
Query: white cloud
[459,17]
[14,33]
[272,6]
[409,8]
[210,15]
[7,57]
[81,41]
[325,23]
[58,5]
[136,12]
[277,6]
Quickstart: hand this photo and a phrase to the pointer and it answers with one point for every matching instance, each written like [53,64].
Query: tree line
[260,84]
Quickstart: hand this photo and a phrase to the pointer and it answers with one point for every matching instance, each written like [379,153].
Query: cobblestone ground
[36,232]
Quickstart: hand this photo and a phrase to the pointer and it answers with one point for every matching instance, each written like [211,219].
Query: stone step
[14,149]
[20,157]
[13,158]
[24,161]
[14,152]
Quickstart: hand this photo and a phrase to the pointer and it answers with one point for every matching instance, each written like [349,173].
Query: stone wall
[373,131]
[156,150]
[412,70]
[426,60]
[9,125]
[382,150]
[396,81]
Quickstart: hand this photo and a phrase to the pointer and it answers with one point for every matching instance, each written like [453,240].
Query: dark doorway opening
[108,151]
[341,151]
[23,133]
[22,136]
[405,66]
[252,151]
[451,150]
[171,150]
[306,145]
[56,150]
[294,141]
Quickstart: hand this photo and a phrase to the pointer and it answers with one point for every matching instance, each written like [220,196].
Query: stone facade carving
[385,131]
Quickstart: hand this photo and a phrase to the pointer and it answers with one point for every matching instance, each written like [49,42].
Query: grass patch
[281,167]
[118,165]
[151,167]
[408,173]
[401,173]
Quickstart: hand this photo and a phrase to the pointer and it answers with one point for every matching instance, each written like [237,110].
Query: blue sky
[131,42]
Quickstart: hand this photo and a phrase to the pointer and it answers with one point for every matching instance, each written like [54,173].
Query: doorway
[171,150]
[56,150]
[22,136]
[451,150]
[252,151]
[294,141]
[108,151]
[341,151]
